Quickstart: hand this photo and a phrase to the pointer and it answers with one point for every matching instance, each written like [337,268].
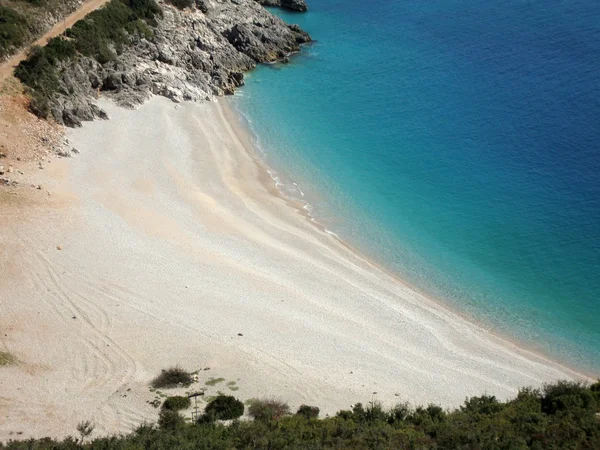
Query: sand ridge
[173,245]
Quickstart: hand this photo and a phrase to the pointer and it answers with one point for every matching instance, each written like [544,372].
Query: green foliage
[182,4]
[14,30]
[567,396]
[559,416]
[176,403]
[173,377]
[223,407]
[309,412]
[170,420]
[268,410]
[103,33]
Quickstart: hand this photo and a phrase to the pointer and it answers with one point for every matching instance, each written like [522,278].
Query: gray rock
[194,55]
[294,5]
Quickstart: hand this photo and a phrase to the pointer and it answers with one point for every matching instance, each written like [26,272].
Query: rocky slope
[194,55]
[294,5]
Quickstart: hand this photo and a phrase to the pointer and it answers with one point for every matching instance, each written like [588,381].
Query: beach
[165,242]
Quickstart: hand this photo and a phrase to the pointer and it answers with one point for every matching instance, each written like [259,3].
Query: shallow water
[458,143]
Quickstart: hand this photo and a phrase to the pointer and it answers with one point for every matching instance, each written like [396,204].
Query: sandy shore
[175,250]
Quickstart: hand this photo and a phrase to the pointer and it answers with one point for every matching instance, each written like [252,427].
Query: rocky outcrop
[194,55]
[294,5]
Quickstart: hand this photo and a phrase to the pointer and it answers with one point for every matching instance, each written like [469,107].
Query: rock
[2,155]
[294,5]
[202,5]
[1,170]
[10,169]
[74,150]
[194,55]
[58,247]
[64,154]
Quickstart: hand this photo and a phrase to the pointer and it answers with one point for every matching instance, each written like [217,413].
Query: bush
[309,412]
[267,410]
[170,420]
[224,407]
[176,403]
[14,31]
[566,395]
[484,424]
[171,378]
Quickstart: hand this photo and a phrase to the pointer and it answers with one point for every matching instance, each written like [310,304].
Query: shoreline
[241,129]
[165,242]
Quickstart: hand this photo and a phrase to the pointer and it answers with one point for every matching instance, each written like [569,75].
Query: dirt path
[7,67]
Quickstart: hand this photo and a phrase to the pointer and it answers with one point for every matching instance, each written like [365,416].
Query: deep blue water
[458,143]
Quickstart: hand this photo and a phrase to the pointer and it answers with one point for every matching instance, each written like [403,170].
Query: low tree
[224,407]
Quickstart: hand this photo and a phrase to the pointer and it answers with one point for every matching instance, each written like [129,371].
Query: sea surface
[458,144]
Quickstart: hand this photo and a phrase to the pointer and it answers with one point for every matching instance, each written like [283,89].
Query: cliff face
[194,55]
[294,5]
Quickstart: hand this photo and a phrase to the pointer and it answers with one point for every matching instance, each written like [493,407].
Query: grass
[232,386]
[214,381]
[6,359]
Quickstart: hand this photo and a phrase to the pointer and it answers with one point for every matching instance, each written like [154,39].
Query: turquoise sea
[457,143]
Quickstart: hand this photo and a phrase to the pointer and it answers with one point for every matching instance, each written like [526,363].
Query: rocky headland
[194,54]
[294,5]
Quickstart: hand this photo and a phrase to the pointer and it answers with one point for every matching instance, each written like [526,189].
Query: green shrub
[14,31]
[310,412]
[176,403]
[170,420]
[566,395]
[173,377]
[224,407]
[484,424]
[267,410]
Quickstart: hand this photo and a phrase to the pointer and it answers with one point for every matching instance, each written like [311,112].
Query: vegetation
[170,420]
[559,416]
[176,403]
[101,35]
[6,359]
[85,429]
[268,410]
[171,378]
[223,407]
[14,31]
[214,381]
[308,412]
